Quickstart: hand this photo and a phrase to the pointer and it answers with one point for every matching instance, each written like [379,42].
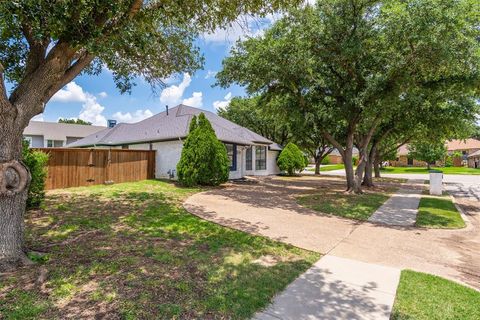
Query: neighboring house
[474,160]
[41,134]
[465,147]
[336,158]
[249,153]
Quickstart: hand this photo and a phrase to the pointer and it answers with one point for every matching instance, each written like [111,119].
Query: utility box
[436,180]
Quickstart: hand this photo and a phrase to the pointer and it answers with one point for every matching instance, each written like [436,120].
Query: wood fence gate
[69,167]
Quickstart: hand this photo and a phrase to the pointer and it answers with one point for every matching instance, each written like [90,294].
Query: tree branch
[334,142]
[70,74]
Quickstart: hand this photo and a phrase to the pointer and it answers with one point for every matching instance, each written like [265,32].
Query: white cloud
[137,116]
[172,95]
[210,74]
[38,117]
[221,104]
[195,100]
[103,94]
[92,111]
[72,92]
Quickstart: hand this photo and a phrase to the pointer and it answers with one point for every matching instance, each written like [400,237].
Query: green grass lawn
[423,296]
[445,170]
[438,213]
[348,205]
[130,251]
[329,167]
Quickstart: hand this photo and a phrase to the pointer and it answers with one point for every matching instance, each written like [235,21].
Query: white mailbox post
[436,178]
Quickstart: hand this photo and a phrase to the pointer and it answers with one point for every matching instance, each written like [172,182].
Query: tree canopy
[251,113]
[45,44]
[353,64]
[428,151]
[74,121]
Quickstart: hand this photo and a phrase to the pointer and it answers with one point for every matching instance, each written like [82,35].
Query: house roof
[403,150]
[466,144]
[475,154]
[59,131]
[335,152]
[171,126]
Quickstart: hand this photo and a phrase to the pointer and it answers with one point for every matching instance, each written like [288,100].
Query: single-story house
[474,160]
[249,153]
[464,147]
[42,134]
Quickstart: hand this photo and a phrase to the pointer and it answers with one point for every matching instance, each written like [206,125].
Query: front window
[248,159]
[260,158]
[232,155]
[54,143]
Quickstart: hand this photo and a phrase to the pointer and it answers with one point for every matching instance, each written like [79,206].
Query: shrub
[36,161]
[204,159]
[291,159]
[354,160]
[448,161]
[326,160]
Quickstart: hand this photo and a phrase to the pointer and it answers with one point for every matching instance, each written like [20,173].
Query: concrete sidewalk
[337,288]
[402,208]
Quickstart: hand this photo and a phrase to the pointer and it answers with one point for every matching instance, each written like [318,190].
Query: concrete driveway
[269,208]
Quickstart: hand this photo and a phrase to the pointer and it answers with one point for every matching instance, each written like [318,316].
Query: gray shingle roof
[175,125]
[59,131]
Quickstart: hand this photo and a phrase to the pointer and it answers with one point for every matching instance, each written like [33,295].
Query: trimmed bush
[204,159]
[291,159]
[326,160]
[36,161]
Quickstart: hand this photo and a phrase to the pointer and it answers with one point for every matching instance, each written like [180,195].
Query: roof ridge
[110,131]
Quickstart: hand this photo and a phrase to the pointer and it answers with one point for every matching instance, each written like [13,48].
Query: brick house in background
[465,147]
[336,158]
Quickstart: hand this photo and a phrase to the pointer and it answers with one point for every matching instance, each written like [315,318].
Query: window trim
[264,160]
[233,166]
[249,162]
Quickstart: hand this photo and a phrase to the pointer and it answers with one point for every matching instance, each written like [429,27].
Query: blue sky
[96,99]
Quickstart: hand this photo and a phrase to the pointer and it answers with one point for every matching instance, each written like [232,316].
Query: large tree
[437,114]
[350,61]
[45,44]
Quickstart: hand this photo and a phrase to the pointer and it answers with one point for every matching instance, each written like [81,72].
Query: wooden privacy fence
[68,167]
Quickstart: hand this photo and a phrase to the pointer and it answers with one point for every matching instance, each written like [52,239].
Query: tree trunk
[428,166]
[368,176]
[14,181]
[349,172]
[376,169]
[318,161]
[362,163]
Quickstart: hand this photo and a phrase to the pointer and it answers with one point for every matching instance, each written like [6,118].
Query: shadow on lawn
[120,253]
